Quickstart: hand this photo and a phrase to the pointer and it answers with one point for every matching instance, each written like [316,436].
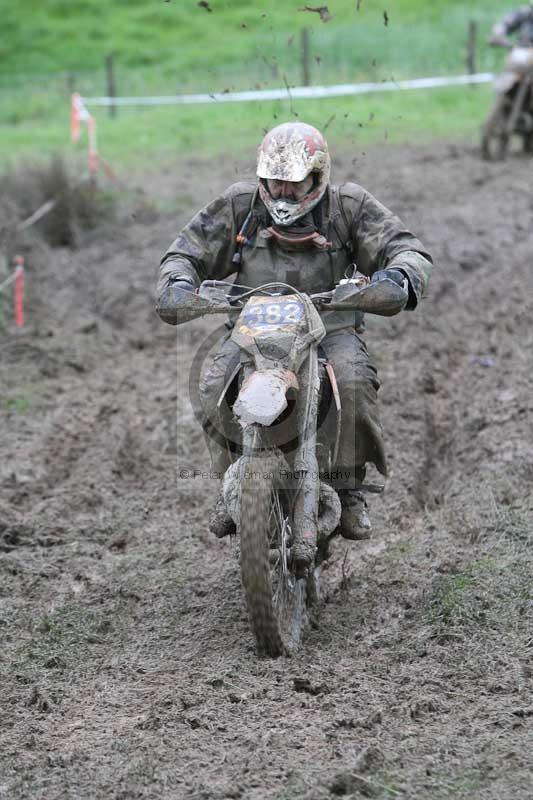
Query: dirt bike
[286,404]
[512,112]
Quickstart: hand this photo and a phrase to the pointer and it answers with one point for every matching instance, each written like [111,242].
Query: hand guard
[178,302]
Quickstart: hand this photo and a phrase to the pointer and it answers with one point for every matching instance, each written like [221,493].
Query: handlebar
[233,303]
[357,294]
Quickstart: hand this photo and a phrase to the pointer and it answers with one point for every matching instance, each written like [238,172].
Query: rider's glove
[395,275]
[171,298]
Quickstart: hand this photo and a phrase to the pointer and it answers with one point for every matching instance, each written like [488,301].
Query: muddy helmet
[291,152]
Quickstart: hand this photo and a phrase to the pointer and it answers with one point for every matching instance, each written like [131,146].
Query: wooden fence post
[306,57]
[71,83]
[471,48]
[111,86]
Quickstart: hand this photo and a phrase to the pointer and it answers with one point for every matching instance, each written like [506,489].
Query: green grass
[47,49]
[449,785]
[61,638]
[182,39]
[492,593]
[18,404]
[454,601]
[231,130]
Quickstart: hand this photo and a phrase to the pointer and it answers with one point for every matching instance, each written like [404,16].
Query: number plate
[262,314]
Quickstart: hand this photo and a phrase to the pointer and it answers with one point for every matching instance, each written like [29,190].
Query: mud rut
[128,669]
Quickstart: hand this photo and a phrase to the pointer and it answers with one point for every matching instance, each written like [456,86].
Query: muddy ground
[127,666]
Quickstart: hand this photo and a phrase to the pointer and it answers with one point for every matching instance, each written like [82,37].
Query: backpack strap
[247,225]
[339,220]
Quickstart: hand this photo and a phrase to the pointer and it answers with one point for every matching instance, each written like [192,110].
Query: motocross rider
[519,21]
[294,226]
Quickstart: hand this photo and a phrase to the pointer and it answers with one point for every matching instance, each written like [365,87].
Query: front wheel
[494,138]
[277,602]
[527,143]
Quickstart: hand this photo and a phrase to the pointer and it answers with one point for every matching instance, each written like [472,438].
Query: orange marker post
[18,294]
[93,149]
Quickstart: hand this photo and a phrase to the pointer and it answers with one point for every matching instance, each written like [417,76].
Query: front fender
[506,81]
[263,396]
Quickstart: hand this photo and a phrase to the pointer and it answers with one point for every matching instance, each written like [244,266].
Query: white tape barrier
[37,215]
[7,282]
[296,93]
[46,207]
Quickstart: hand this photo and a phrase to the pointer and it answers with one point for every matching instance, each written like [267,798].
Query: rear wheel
[277,602]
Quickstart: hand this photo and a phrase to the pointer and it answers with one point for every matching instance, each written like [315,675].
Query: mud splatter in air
[323,11]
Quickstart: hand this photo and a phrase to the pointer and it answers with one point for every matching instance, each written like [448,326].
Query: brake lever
[219,301]
[322,298]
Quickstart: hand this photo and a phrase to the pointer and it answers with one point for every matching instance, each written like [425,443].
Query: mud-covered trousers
[361,437]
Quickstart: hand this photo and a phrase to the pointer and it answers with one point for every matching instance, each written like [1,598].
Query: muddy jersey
[357,229]
[519,21]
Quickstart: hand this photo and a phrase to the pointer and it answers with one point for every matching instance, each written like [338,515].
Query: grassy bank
[184,41]
[174,47]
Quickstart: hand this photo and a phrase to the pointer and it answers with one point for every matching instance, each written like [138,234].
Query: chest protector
[312,258]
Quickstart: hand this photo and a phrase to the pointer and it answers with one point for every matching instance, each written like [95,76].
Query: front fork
[305,466]
[517,107]
[305,470]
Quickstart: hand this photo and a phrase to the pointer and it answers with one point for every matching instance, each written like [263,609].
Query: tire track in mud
[441,412]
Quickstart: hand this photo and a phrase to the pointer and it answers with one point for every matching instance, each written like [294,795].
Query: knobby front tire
[256,491]
[279,606]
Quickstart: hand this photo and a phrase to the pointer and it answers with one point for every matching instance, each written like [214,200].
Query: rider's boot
[302,558]
[220,522]
[355,522]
